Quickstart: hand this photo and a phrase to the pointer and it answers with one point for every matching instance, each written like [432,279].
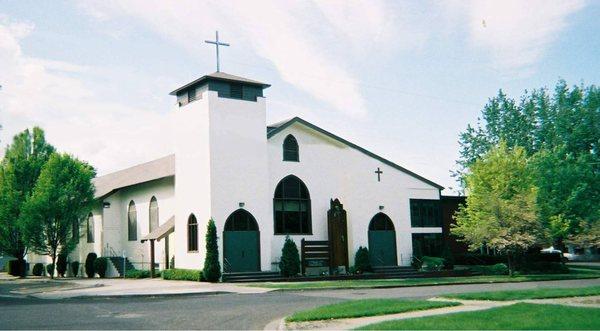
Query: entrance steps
[117,262]
[253,276]
[395,271]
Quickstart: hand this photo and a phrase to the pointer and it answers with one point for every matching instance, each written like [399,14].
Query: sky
[401,79]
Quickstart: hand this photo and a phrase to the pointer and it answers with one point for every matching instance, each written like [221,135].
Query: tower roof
[220,76]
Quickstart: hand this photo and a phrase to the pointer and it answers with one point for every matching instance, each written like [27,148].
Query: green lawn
[368,283]
[366,307]
[540,293]
[521,316]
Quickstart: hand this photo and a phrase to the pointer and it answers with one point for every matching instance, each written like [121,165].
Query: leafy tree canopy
[61,198]
[501,209]
[561,133]
[19,171]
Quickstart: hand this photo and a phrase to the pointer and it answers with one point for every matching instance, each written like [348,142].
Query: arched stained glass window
[131,222]
[291,206]
[291,149]
[153,215]
[192,234]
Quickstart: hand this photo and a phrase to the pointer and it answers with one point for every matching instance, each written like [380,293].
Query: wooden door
[338,235]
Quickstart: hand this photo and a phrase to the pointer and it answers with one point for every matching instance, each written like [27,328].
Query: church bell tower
[220,161]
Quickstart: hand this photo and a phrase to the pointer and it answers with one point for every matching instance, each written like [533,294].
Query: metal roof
[141,173]
[162,231]
[222,76]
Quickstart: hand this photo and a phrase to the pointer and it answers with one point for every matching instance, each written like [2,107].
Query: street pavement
[205,311]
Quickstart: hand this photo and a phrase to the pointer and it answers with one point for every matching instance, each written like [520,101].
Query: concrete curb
[133,295]
[415,285]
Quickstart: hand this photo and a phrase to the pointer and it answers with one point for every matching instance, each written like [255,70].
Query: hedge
[544,268]
[362,261]
[496,269]
[182,274]
[14,268]
[141,274]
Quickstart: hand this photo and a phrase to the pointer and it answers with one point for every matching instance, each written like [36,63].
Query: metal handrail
[226,265]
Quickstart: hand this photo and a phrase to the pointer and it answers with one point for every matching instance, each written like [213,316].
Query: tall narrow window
[75,230]
[90,228]
[290,149]
[291,206]
[192,234]
[132,222]
[153,215]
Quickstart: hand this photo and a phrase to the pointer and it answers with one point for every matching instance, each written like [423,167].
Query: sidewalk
[44,288]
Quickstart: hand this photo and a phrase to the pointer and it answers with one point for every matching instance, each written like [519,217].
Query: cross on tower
[378,172]
[217,43]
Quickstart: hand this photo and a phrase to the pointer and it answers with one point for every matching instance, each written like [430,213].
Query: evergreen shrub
[89,265]
[61,264]
[431,263]
[50,269]
[212,266]
[289,265]
[38,269]
[100,266]
[362,261]
[75,268]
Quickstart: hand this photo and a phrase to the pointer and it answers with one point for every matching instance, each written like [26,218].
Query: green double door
[241,250]
[382,248]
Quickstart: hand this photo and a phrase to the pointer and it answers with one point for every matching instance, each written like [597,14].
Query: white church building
[259,183]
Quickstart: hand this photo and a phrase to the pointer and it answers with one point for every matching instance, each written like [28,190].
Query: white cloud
[517,33]
[50,94]
[294,36]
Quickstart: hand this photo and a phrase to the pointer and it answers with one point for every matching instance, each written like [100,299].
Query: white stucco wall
[332,170]
[192,179]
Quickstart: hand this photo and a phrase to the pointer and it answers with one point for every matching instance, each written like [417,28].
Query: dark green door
[382,248]
[241,250]
[382,241]
[241,243]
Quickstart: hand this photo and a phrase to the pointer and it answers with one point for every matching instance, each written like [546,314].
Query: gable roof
[274,129]
[141,173]
[222,76]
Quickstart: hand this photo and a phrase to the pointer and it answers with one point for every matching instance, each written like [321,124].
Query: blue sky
[399,78]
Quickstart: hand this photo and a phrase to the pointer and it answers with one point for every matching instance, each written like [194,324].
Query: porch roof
[162,231]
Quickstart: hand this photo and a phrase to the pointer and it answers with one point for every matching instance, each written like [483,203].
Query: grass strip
[365,307]
[539,293]
[521,316]
[374,283]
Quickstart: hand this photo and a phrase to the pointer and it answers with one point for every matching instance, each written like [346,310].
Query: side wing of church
[259,184]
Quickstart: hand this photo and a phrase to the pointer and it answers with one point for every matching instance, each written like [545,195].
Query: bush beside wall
[289,265]
[431,263]
[14,268]
[138,274]
[50,269]
[89,265]
[182,274]
[496,269]
[362,261]
[38,269]
[61,264]
[100,266]
[75,268]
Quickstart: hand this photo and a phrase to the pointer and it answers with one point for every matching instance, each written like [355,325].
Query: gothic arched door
[241,243]
[382,241]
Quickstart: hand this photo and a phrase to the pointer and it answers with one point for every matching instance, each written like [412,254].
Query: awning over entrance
[162,231]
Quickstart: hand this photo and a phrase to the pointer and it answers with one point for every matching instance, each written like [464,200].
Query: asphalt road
[221,311]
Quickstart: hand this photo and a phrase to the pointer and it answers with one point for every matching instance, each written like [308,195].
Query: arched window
[90,228]
[381,222]
[131,222]
[290,149]
[153,215]
[241,220]
[291,206]
[192,234]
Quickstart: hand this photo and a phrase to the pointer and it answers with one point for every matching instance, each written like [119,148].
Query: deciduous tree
[62,197]
[501,207]
[19,171]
